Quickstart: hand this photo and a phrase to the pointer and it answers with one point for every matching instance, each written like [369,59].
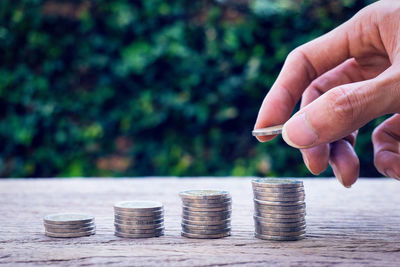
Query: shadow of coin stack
[69,225]
[206,214]
[139,219]
[279,209]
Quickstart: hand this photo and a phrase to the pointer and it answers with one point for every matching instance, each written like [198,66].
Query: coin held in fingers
[273,130]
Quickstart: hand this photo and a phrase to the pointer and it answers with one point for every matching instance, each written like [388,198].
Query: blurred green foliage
[133,88]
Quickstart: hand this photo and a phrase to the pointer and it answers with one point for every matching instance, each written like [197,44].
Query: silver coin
[205,223]
[279,238]
[143,213]
[138,218]
[205,218]
[282,201]
[278,230]
[138,205]
[277,216]
[273,130]
[259,210]
[282,225]
[278,220]
[276,183]
[258,205]
[206,232]
[271,233]
[277,203]
[64,230]
[140,226]
[68,226]
[273,199]
[204,194]
[277,190]
[209,206]
[208,213]
[65,235]
[263,214]
[68,218]
[205,227]
[139,222]
[189,201]
[279,194]
[141,233]
[138,231]
[195,209]
[199,236]
[125,235]
[282,216]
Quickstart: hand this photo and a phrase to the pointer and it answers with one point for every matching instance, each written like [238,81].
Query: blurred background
[140,88]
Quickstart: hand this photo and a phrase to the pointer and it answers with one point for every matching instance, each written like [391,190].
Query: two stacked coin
[279,209]
[206,214]
[69,225]
[139,219]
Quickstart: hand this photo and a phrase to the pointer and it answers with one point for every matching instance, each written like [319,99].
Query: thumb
[342,110]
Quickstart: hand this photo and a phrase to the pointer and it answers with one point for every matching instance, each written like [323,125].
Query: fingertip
[309,167]
[263,139]
[297,132]
[392,174]
[344,162]
[316,158]
[386,147]
[337,173]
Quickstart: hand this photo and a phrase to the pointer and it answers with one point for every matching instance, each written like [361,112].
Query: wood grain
[358,226]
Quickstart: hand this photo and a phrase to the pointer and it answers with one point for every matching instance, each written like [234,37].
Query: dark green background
[156,87]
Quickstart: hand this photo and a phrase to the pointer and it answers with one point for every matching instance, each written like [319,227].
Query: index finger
[301,67]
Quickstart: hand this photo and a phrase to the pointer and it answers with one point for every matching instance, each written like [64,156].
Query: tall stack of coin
[279,209]
[139,219]
[206,213]
[69,225]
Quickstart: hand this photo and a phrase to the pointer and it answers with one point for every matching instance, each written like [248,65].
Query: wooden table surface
[358,226]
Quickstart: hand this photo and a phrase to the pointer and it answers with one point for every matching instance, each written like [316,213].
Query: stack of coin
[139,219]
[206,213]
[279,209]
[69,225]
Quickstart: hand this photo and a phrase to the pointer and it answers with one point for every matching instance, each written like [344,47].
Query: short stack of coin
[139,219]
[206,214]
[279,209]
[69,225]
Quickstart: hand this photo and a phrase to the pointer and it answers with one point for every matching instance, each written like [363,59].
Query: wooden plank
[358,226]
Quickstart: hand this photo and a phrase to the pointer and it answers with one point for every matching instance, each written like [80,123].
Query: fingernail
[298,133]
[337,174]
[392,174]
[306,160]
[260,140]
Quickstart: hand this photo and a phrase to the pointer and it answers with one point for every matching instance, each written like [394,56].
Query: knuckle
[321,84]
[351,138]
[376,133]
[300,56]
[343,104]
[379,162]
[295,55]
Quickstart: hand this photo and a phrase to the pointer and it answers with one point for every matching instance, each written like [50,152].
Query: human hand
[346,78]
